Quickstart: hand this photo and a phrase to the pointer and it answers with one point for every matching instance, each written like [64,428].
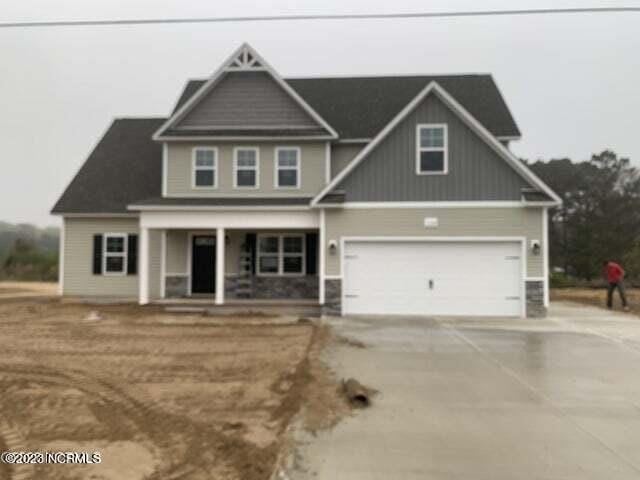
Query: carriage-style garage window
[245,167]
[287,167]
[115,254]
[281,254]
[431,149]
[205,164]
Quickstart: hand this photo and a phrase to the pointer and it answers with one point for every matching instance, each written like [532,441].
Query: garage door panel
[433,278]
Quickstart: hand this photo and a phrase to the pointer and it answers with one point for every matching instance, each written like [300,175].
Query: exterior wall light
[333,247]
[535,247]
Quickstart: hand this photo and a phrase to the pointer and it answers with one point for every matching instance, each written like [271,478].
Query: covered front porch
[255,259]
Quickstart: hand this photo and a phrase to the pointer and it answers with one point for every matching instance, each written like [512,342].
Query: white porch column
[322,241]
[143,274]
[220,244]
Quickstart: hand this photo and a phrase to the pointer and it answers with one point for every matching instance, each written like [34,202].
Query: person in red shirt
[615,275]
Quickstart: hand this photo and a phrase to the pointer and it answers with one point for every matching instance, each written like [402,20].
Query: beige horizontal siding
[155,259]
[180,173]
[177,251]
[78,258]
[454,222]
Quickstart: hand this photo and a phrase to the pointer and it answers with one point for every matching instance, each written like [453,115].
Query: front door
[203,264]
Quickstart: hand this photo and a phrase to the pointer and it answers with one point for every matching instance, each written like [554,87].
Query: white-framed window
[246,167]
[205,167]
[432,149]
[287,165]
[114,254]
[281,254]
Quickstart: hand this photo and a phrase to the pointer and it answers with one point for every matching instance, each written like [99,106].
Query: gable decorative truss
[468,119]
[244,59]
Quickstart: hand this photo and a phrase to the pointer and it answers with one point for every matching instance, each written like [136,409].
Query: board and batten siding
[475,172]
[180,172]
[452,222]
[242,99]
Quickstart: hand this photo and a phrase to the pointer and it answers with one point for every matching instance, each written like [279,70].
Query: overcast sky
[571,81]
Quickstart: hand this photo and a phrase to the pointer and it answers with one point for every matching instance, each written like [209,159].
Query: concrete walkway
[490,399]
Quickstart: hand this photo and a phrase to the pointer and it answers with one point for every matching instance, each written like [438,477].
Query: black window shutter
[251,240]
[312,253]
[132,255]
[97,254]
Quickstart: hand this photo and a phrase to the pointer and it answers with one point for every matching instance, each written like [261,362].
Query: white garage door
[433,278]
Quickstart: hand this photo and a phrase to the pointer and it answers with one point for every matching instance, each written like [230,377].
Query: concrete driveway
[490,399]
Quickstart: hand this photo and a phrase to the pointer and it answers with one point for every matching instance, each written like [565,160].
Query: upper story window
[245,167]
[287,165]
[205,166]
[114,255]
[431,149]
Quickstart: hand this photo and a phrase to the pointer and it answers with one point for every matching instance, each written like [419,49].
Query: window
[115,254]
[287,167]
[245,165]
[205,163]
[431,157]
[281,255]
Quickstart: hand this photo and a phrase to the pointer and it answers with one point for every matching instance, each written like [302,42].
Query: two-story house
[362,195]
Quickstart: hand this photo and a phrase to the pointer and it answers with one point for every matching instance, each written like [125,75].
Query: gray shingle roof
[125,167]
[359,107]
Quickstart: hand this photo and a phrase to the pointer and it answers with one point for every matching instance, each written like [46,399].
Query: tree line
[599,218]
[28,252]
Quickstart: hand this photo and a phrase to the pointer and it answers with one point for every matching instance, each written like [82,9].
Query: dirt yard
[160,396]
[598,297]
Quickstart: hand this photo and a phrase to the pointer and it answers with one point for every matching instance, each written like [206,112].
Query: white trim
[327,163]
[354,140]
[165,168]
[213,208]
[333,277]
[508,138]
[99,215]
[462,204]
[253,138]
[195,168]
[177,274]
[244,50]
[465,116]
[280,254]
[189,261]
[255,169]
[247,194]
[322,240]
[246,127]
[277,168]
[143,263]
[523,255]
[61,258]
[545,254]
[203,220]
[163,264]
[220,266]
[124,255]
[444,149]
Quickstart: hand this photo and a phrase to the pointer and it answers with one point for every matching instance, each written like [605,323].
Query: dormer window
[431,149]
[245,167]
[205,164]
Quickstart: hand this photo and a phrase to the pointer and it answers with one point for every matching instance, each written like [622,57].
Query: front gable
[479,168]
[245,97]
[249,99]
